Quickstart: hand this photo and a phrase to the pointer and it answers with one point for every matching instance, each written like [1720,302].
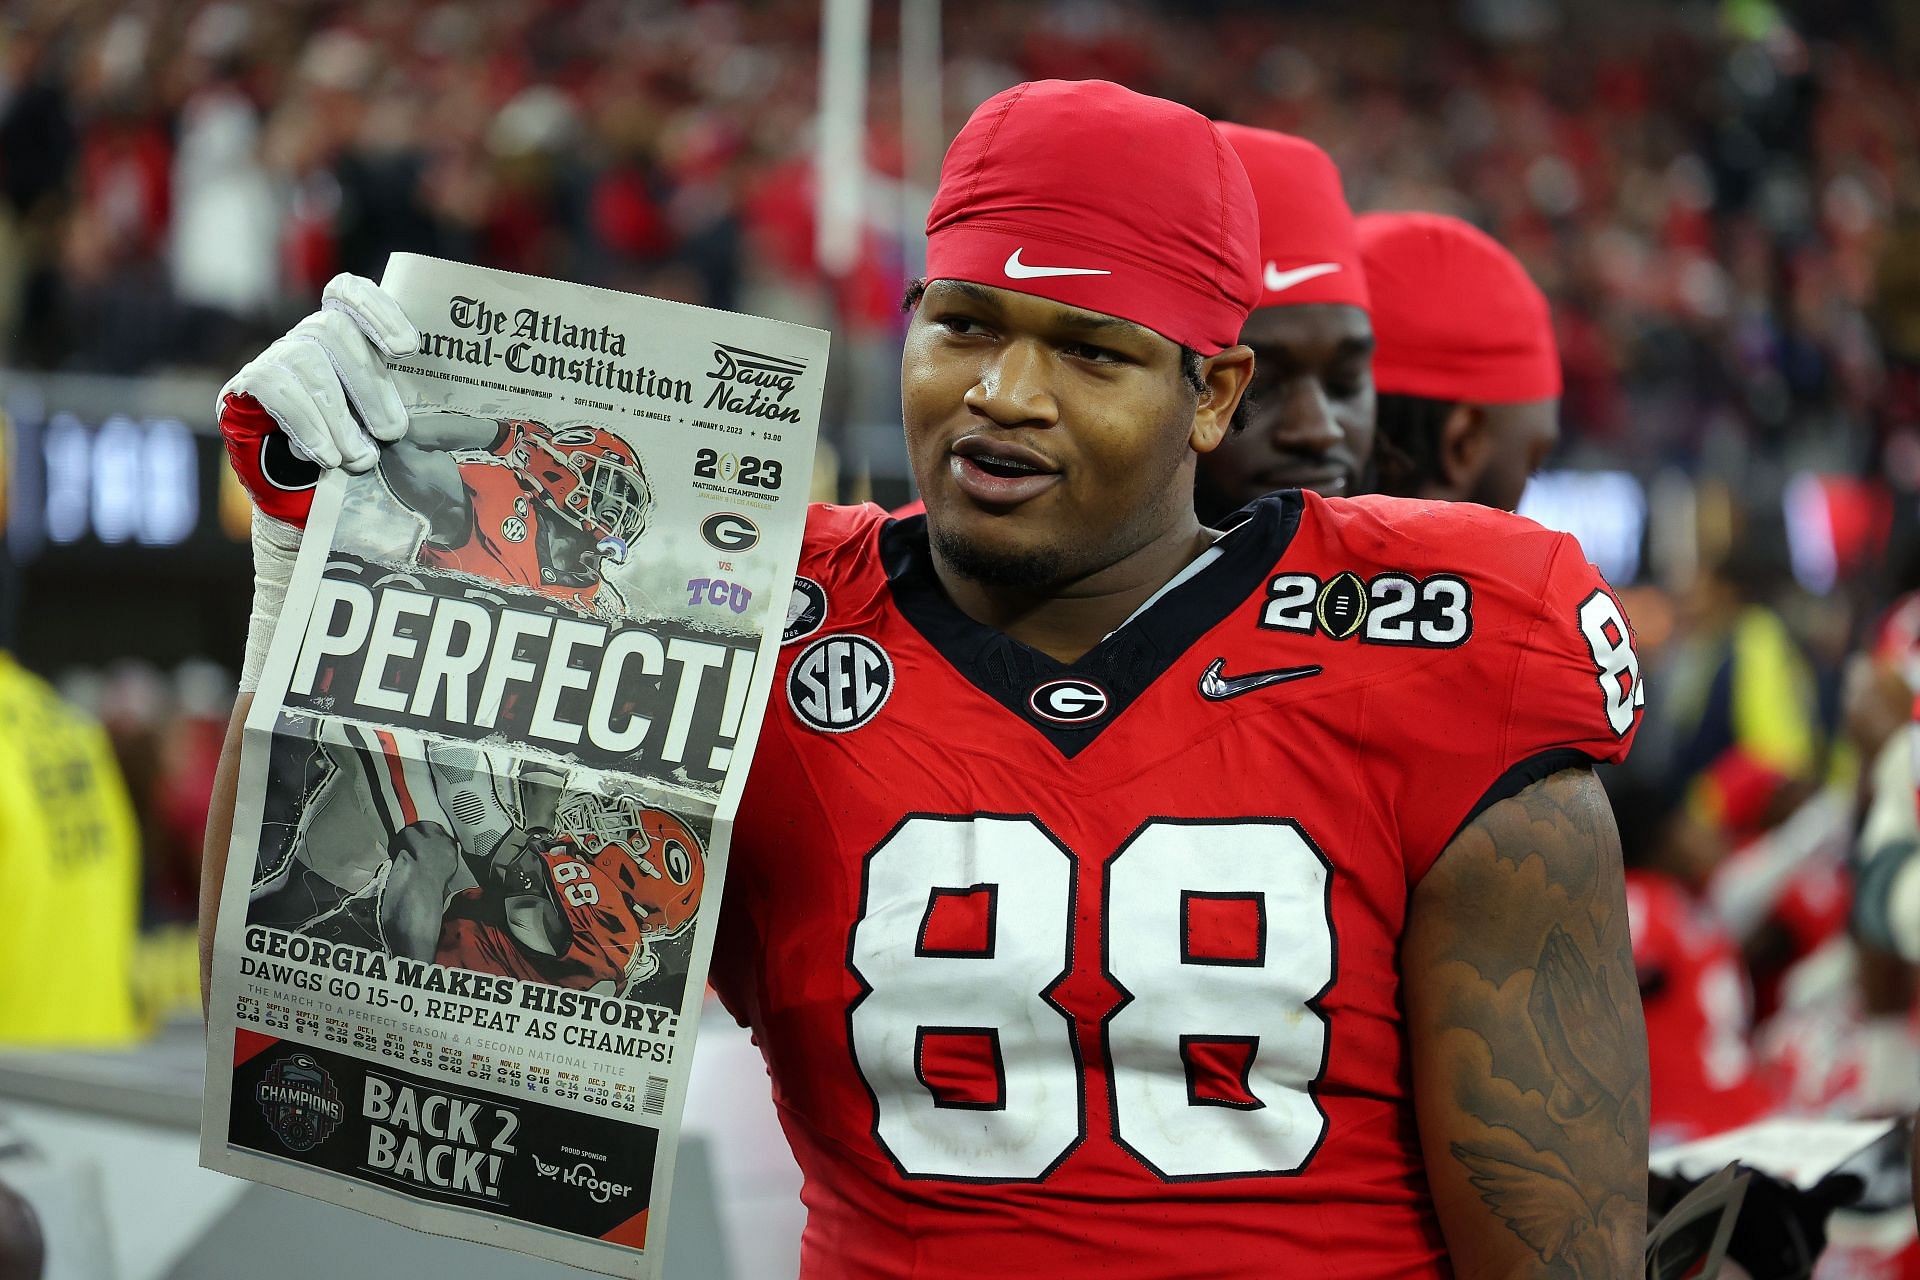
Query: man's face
[1048,442]
[1312,418]
[1520,438]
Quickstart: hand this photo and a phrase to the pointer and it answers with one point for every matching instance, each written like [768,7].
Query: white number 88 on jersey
[1181,1012]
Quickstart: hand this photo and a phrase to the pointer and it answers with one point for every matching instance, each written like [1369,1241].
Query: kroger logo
[586,1177]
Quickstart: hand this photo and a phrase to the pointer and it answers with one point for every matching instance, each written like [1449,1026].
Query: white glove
[326,383]
[326,387]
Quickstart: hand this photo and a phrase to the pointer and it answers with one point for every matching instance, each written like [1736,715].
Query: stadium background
[1722,201]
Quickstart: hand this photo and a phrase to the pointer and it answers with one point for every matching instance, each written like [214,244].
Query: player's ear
[1226,377]
[1466,441]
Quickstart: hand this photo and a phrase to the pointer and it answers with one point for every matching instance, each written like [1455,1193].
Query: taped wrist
[276,546]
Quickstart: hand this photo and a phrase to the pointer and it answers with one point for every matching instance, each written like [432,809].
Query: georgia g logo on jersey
[1069,701]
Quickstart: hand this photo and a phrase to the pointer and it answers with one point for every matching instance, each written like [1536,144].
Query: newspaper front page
[489,776]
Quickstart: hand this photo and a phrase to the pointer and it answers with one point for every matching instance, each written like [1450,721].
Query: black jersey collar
[1070,703]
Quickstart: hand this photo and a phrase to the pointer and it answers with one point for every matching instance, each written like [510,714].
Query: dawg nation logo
[765,380]
[586,1177]
[300,1103]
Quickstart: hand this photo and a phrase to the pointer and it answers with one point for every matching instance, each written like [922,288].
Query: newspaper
[489,776]
[1801,1152]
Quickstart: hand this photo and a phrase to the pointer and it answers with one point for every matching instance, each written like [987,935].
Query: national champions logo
[299,1101]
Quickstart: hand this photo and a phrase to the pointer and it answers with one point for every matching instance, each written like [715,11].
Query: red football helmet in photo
[658,860]
[592,476]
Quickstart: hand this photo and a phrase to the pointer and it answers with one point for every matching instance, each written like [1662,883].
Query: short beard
[1025,570]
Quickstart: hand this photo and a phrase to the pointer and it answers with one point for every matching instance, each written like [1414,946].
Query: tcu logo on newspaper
[718,591]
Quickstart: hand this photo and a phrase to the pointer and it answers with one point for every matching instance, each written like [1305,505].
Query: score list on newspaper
[488,779]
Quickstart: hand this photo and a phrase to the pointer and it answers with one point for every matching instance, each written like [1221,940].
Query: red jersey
[502,543]
[1065,969]
[615,904]
[1699,1006]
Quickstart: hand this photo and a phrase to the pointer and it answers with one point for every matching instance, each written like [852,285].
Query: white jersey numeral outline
[1266,1004]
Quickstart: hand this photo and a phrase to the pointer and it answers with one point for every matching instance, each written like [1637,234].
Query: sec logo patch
[839,682]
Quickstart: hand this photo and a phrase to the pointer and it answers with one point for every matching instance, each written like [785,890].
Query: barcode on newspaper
[655,1101]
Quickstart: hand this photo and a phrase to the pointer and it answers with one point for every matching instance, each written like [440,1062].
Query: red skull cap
[1308,250]
[1097,197]
[1455,315]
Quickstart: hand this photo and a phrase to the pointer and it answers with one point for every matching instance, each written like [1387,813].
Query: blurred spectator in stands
[1741,685]
[1702,201]
[226,222]
[1882,684]
[22,1251]
[37,137]
[1693,983]
[69,858]
[1843,1042]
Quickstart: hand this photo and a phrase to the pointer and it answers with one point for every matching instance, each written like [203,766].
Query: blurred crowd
[1722,201]
[1717,196]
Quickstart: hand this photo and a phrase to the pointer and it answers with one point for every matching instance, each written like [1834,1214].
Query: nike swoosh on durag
[1278,281]
[1018,270]
[1219,688]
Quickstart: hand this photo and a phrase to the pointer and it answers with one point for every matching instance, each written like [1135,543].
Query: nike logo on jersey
[1018,270]
[1279,281]
[1218,688]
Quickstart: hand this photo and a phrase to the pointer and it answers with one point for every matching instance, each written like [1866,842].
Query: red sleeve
[1565,684]
[1578,683]
[508,438]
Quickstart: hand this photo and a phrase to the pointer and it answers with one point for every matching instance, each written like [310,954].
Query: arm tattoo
[1541,1035]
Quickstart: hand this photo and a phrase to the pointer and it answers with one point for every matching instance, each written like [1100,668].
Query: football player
[582,904]
[1311,415]
[568,888]
[1466,368]
[386,822]
[1886,895]
[1259,912]
[1306,422]
[508,500]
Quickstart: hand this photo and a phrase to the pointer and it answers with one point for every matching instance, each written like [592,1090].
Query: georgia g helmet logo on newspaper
[593,476]
[664,868]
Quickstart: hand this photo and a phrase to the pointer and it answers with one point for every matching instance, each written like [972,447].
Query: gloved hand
[319,397]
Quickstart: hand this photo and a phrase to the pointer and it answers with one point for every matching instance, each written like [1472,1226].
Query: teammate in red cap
[1466,367]
[1148,900]
[1310,425]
